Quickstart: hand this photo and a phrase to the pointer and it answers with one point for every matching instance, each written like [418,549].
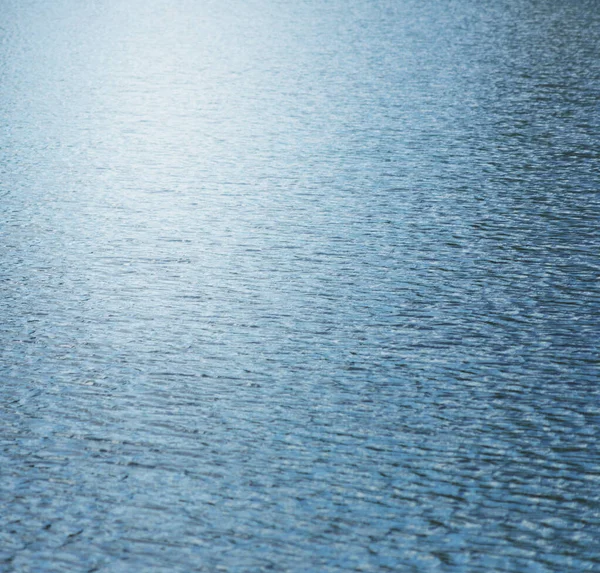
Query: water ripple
[299,287]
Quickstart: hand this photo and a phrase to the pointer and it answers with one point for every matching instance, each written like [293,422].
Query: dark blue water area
[299,286]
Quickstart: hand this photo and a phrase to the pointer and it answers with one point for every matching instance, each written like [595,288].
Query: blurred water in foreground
[301,286]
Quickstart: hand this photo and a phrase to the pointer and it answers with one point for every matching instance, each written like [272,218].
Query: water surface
[303,286]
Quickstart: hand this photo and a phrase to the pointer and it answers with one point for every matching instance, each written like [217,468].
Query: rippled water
[299,286]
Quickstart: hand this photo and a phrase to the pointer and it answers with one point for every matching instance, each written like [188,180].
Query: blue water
[299,286]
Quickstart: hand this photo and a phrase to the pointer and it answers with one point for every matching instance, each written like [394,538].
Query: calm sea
[299,286]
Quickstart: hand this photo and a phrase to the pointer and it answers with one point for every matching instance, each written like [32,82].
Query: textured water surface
[299,286]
